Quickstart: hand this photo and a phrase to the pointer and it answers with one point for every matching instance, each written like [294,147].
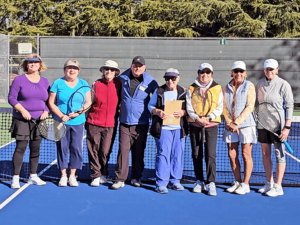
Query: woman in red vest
[102,122]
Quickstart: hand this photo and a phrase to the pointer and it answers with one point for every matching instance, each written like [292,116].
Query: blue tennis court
[51,204]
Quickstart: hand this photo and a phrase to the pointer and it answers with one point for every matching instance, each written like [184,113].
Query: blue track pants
[169,157]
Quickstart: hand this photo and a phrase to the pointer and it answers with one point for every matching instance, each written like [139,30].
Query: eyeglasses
[238,71]
[170,78]
[205,71]
[111,69]
[269,69]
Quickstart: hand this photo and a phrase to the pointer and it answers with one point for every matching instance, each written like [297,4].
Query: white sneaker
[73,181]
[199,187]
[211,189]
[63,182]
[117,185]
[136,183]
[275,191]
[234,186]
[279,189]
[15,184]
[266,188]
[103,180]
[95,182]
[242,189]
[34,179]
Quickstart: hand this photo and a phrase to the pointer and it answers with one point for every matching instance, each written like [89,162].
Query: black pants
[132,137]
[210,152]
[34,146]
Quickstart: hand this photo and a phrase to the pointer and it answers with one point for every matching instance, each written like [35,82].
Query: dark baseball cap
[138,59]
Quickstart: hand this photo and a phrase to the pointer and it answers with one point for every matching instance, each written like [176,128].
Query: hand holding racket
[269,118]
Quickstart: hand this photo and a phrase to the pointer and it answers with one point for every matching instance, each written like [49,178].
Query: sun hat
[110,64]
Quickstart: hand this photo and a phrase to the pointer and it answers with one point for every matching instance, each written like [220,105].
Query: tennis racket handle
[288,146]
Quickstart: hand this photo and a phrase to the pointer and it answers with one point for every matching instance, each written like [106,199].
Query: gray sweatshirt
[278,92]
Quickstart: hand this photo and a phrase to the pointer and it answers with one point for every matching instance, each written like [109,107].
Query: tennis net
[224,173]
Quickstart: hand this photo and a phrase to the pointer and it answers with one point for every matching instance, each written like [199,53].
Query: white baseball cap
[206,65]
[239,65]
[271,63]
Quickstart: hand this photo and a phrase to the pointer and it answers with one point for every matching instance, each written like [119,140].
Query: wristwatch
[287,127]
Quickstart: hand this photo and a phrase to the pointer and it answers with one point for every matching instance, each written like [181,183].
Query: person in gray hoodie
[278,92]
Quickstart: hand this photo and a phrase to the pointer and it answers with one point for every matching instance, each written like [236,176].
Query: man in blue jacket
[137,86]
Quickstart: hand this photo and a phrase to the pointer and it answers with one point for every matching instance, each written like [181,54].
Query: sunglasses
[269,69]
[111,69]
[238,71]
[205,72]
[170,78]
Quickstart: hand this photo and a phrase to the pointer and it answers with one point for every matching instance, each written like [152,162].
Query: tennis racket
[51,129]
[269,118]
[82,99]
[202,101]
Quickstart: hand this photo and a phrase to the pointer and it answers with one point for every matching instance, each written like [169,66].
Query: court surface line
[10,198]
[7,144]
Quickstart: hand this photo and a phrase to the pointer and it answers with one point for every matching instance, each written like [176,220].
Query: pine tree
[145,18]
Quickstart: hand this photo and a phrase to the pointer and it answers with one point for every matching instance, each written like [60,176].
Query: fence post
[8,62]
[38,44]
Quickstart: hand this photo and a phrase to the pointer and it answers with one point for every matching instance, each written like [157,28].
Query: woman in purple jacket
[28,95]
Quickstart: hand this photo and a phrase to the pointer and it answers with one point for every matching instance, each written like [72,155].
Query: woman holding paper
[169,135]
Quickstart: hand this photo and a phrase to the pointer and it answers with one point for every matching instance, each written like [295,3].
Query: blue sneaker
[162,190]
[211,188]
[176,187]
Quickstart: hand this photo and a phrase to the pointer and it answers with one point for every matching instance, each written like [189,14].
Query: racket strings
[83,99]
[77,101]
[56,130]
[43,128]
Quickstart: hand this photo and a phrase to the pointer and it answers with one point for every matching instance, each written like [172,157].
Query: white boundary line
[7,143]
[10,198]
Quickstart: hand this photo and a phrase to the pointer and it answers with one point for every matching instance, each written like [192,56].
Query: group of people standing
[134,96]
